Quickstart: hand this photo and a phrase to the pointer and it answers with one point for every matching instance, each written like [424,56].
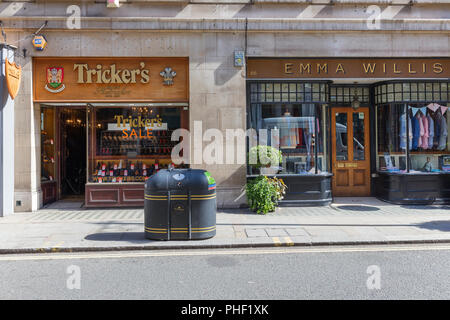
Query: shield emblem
[13,73]
[55,76]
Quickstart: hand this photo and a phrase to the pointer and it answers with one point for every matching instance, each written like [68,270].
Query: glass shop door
[350,152]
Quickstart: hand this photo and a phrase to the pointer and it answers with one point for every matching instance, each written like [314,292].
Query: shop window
[391,138]
[430,147]
[424,115]
[300,128]
[129,144]
[48,155]
[297,119]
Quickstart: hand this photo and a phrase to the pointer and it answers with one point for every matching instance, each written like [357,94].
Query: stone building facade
[209,33]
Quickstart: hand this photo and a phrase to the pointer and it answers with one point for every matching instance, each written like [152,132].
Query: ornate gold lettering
[99,73]
[104,78]
[288,68]
[369,67]
[133,75]
[119,120]
[340,68]
[303,68]
[437,68]
[80,68]
[111,74]
[126,76]
[323,68]
[115,77]
[89,75]
[145,78]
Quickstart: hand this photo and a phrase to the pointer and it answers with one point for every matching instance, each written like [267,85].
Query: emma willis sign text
[349,68]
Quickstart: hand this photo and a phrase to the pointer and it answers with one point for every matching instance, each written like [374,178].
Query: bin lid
[196,180]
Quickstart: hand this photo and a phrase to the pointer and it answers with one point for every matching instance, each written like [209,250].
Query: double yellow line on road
[207,252]
[278,243]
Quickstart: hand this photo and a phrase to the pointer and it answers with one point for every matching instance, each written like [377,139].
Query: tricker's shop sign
[329,68]
[110,79]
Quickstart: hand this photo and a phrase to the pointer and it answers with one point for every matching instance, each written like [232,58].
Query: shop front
[106,125]
[355,126]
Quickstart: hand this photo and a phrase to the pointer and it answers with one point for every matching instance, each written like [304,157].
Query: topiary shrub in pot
[265,158]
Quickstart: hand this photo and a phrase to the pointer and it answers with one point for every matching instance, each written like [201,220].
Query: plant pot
[269,170]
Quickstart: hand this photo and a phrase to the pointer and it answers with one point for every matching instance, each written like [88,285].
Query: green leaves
[263,193]
[264,156]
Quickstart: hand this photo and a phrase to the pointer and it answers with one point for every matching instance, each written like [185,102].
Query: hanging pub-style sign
[13,73]
[39,42]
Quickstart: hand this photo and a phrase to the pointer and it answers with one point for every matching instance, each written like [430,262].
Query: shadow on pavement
[237,211]
[357,208]
[133,237]
[435,225]
[425,207]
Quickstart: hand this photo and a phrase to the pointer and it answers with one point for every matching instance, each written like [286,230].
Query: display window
[412,135]
[128,144]
[48,158]
[294,113]
[391,137]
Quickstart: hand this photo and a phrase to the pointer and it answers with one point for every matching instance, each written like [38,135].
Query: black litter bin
[180,204]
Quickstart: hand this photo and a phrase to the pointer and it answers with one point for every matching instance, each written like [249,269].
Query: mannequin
[288,132]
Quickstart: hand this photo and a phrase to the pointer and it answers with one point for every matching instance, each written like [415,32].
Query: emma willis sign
[348,68]
[110,79]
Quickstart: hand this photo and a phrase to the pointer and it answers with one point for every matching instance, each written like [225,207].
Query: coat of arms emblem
[13,74]
[168,74]
[55,76]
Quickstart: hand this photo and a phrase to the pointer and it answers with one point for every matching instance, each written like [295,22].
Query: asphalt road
[373,272]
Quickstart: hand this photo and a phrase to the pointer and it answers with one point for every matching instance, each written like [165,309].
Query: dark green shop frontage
[358,132]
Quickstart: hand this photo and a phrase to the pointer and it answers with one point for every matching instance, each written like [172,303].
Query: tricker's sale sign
[110,79]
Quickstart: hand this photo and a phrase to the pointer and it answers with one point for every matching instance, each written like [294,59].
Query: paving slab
[276,232]
[252,233]
[344,222]
[296,232]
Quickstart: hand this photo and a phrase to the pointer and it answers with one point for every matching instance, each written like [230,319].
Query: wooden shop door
[351,152]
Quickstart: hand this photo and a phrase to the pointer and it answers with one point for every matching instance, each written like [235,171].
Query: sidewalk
[345,222]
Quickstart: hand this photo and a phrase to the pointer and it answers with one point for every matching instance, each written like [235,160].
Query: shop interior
[87,147]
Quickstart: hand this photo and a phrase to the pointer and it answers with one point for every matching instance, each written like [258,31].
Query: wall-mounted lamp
[355,103]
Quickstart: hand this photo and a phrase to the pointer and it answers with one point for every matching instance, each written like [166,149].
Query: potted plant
[265,158]
[263,193]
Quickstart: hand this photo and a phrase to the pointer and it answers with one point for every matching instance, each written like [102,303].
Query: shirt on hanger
[424,144]
[443,133]
[430,131]
[421,131]
[416,132]
[437,129]
[403,132]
